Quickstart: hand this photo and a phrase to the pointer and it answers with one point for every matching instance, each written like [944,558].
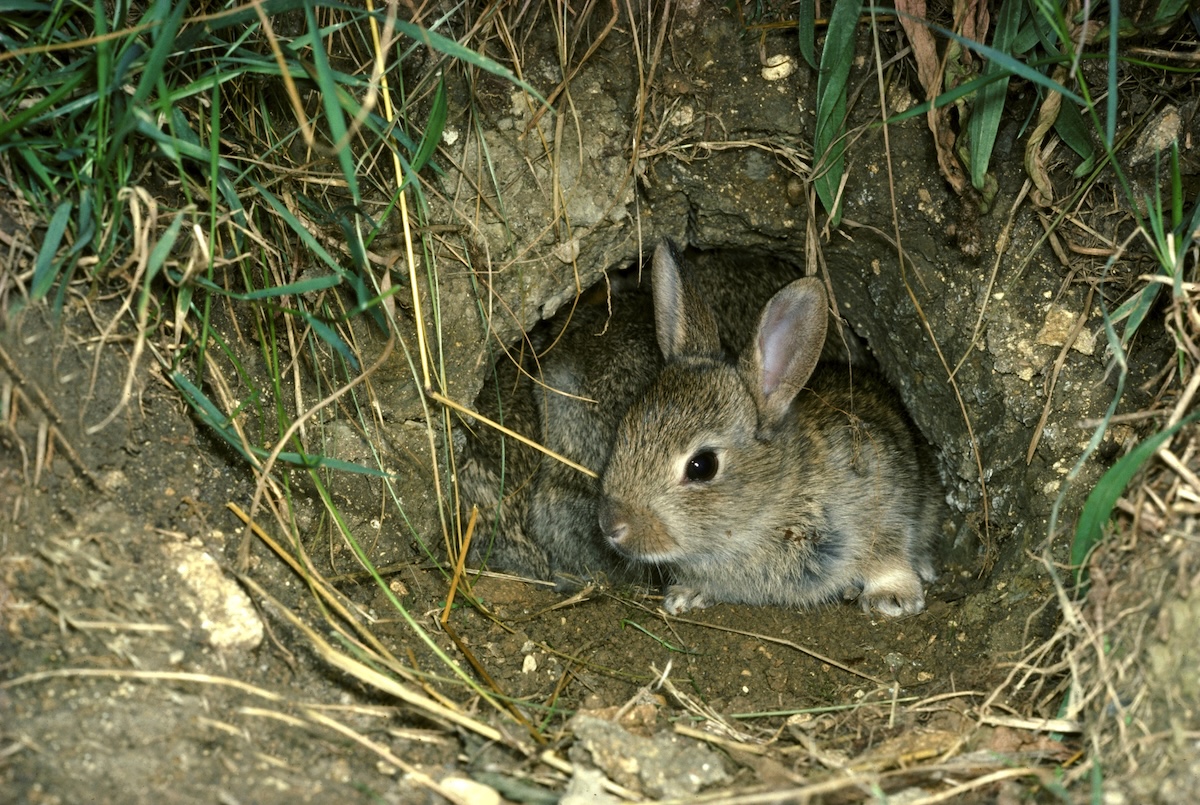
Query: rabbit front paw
[679,599]
[894,592]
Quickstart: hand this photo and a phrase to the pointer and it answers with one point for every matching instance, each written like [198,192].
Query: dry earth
[136,668]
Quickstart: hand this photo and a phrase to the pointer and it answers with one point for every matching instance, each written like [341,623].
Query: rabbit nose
[614,527]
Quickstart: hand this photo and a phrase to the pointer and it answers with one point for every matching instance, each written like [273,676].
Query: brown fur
[822,485]
[541,521]
[538,517]
[829,490]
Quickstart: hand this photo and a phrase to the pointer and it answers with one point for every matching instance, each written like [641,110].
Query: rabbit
[772,478]
[539,517]
[569,400]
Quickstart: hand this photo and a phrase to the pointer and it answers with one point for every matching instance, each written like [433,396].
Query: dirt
[126,679]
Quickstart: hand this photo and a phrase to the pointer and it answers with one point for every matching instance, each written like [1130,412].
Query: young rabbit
[769,479]
[575,380]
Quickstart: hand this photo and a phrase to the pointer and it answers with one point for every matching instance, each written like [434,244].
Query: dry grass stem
[382,683]
[525,440]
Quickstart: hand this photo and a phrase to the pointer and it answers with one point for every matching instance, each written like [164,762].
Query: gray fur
[539,517]
[811,504]
[823,490]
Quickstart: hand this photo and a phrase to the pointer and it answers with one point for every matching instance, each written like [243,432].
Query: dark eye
[702,466]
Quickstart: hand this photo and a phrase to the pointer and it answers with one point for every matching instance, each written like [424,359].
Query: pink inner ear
[669,324]
[773,342]
[790,334]
[776,343]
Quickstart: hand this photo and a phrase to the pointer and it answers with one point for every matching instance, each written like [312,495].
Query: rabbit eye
[702,466]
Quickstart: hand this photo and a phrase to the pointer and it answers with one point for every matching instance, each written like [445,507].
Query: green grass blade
[1135,310]
[249,16]
[85,222]
[330,336]
[385,130]
[46,270]
[433,128]
[107,105]
[454,50]
[174,148]
[989,103]
[218,422]
[164,48]
[304,286]
[162,249]
[806,28]
[656,638]
[1176,187]
[1073,131]
[1110,123]
[336,464]
[294,223]
[946,98]
[19,122]
[1005,62]
[1103,498]
[19,6]
[209,414]
[828,142]
[1050,25]
[322,73]
[1029,35]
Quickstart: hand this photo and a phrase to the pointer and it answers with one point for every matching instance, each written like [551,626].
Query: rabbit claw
[894,593]
[679,599]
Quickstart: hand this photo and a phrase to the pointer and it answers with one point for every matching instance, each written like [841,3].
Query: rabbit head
[694,473]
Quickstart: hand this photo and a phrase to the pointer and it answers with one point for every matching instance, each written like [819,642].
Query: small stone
[778,66]
[222,608]
[1157,136]
[470,791]
[567,252]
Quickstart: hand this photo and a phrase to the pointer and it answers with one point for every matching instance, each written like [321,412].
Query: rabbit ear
[684,322]
[785,350]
